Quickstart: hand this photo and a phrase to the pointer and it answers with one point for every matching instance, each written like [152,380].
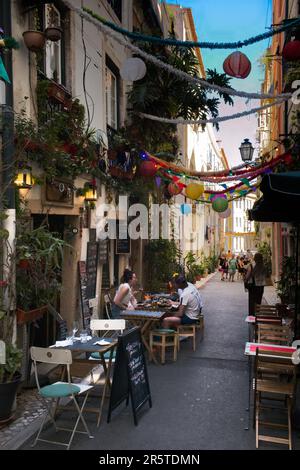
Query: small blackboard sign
[91,269]
[130,374]
[102,251]
[62,330]
[85,308]
[123,246]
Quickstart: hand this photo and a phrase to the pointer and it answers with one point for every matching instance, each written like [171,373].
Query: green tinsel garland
[208,45]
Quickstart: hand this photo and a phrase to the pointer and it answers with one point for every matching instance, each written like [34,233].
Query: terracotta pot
[59,93]
[24,316]
[23,264]
[34,40]
[53,33]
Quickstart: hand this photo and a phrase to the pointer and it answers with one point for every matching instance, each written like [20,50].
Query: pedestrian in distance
[255,280]
[232,265]
[222,262]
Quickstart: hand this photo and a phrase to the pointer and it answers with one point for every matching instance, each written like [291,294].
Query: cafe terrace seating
[274,379]
[51,394]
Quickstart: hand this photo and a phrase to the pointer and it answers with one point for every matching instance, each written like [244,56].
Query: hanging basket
[53,33]
[34,40]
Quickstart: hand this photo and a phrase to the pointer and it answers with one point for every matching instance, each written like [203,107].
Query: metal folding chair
[58,390]
[107,327]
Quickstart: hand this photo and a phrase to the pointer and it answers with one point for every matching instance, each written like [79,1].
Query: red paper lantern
[237,65]
[288,159]
[174,189]
[148,168]
[291,50]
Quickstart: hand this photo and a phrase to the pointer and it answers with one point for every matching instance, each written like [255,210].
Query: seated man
[190,305]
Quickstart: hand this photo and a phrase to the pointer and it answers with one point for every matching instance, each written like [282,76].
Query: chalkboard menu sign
[91,269]
[102,251]
[130,377]
[85,309]
[123,240]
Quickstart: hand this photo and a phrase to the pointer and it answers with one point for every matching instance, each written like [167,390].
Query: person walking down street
[255,280]
[226,265]
[232,265]
[124,298]
[190,305]
[240,267]
[222,262]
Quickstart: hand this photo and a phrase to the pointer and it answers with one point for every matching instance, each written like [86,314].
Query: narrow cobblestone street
[200,401]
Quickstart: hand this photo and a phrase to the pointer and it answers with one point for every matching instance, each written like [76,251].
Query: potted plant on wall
[35,38]
[54,31]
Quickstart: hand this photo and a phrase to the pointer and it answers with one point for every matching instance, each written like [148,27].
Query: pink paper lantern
[237,65]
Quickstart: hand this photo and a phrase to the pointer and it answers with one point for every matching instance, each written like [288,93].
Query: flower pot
[53,33]
[58,93]
[24,316]
[23,264]
[8,393]
[34,40]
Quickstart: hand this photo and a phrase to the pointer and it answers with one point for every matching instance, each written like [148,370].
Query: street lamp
[246,150]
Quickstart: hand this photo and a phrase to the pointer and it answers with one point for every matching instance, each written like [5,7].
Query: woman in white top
[124,298]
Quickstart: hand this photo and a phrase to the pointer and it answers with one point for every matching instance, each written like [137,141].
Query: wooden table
[145,319]
[86,349]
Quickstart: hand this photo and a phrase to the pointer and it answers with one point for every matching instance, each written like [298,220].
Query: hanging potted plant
[53,32]
[35,38]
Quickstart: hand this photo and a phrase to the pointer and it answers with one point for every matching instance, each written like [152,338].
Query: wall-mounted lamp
[24,179]
[91,194]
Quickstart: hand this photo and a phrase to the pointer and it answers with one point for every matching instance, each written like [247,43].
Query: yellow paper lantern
[194,190]
[91,194]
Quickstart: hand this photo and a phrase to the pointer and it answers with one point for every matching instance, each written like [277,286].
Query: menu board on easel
[91,269]
[86,311]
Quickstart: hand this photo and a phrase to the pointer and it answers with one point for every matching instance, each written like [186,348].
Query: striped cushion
[59,390]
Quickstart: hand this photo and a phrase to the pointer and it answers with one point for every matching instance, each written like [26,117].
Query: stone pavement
[200,401]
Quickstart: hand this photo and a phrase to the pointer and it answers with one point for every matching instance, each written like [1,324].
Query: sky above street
[227,21]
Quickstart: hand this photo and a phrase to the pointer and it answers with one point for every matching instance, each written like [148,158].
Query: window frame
[113,69]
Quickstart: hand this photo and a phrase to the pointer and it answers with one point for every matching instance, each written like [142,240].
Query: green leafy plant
[265,249]
[38,280]
[193,268]
[162,258]
[286,286]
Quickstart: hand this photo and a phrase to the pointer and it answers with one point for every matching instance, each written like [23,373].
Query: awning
[281,199]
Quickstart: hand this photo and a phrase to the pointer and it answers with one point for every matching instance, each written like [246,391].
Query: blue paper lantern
[185,209]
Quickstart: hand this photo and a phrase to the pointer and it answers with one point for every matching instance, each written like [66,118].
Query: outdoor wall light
[246,150]
[91,194]
[24,179]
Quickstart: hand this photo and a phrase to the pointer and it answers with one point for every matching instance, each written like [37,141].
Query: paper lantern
[147,168]
[291,50]
[185,209]
[194,190]
[174,189]
[225,214]
[220,204]
[91,194]
[237,65]
[133,69]
[24,179]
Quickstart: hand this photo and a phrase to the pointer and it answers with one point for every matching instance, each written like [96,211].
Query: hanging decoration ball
[288,159]
[147,168]
[291,50]
[225,214]
[215,196]
[174,189]
[219,204]
[133,69]
[237,65]
[185,209]
[194,190]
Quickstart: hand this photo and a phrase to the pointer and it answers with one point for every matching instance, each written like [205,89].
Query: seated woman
[124,298]
[190,305]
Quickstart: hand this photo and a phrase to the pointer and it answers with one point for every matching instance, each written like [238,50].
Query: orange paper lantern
[174,189]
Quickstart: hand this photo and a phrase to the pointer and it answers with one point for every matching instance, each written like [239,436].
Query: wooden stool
[187,330]
[164,338]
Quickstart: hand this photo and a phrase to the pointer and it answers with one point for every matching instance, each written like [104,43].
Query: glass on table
[75,327]
[84,336]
